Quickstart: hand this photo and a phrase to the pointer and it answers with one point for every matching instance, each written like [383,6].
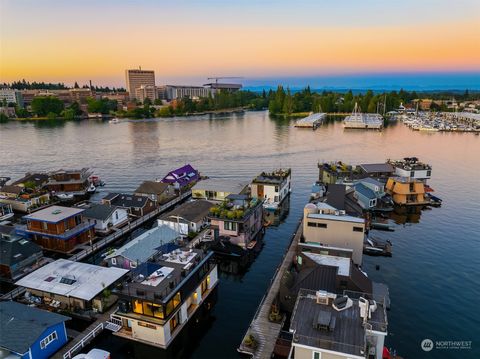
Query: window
[429,173]
[204,285]
[357,229]
[174,321]
[147,309]
[44,225]
[137,306]
[276,188]
[311,224]
[412,187]
[146,325]
[230,226]
[322,225]
[116,215]
[114,261]
[47,340]
[317,355]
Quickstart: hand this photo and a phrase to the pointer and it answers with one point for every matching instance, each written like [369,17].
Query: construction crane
[223,77]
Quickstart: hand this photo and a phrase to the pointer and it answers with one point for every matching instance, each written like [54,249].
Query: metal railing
[85,340]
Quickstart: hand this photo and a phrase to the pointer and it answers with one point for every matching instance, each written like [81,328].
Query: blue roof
[22,325]
[144,246]
[372,181]
[147,268]
[365,191]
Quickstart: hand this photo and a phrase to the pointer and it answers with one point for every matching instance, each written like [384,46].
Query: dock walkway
[85,337]
[263,330]
[102,243]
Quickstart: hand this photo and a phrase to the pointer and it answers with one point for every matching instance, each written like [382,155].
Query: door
[260,191]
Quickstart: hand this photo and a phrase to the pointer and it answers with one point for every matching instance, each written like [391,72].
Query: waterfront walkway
[261,328]
[95,247]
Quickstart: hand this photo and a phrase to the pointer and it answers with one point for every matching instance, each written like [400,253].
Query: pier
[312,121]
[264,331]
[97,246]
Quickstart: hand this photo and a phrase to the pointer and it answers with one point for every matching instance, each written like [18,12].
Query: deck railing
[85,340]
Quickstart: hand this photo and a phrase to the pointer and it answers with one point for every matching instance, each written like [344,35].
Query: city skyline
[187,42]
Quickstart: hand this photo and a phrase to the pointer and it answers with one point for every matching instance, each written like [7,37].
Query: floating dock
[312,121]
[364,121]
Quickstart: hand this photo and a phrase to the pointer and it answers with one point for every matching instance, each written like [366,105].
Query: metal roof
[376,167]
[228,185]
[72,279]
[54,214]
[365,191]
[145,246]
[22,325]
[99,211]
[332,217]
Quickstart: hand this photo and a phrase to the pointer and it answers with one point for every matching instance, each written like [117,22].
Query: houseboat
[162,295]
[407,191]
[272,187]
[217,189]
[58,228]
[183,177]
[6,211]
[239,219]
[70,182]
[411,167]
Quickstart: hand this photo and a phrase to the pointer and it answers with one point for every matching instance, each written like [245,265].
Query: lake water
[433,274]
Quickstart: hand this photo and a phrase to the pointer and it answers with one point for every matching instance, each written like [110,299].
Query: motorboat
[94,354]
[114,120]
[64,196]
[92,189]
[96,181]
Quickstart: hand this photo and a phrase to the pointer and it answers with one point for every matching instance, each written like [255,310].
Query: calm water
[433,274]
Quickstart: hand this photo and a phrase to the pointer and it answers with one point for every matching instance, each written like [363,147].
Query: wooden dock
[97,246]
[312,121]
[261,328]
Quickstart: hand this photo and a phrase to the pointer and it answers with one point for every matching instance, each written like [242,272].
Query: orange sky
[104,49]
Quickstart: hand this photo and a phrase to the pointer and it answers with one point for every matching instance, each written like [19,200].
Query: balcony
[69,233]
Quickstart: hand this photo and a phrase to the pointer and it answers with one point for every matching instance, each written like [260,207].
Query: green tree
[43,105]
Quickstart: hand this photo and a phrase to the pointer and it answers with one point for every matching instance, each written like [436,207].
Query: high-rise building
[143,92]
[137,78]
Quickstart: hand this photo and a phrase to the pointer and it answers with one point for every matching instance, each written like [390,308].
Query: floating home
[106,217]
[327,226]
[157,191]
[23,200]
[327,325]
[182,177]
[70,182]
[161,296]
[272,187]
[30,333]
[411,167]
[189,217]
[58,228]
[142,248]
[406,191]
[18,255]
[136,206]
[72,286]
[239,219]
[217,189]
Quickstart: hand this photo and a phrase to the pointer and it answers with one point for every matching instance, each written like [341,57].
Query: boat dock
[312,121]
[367,121]
[264,331]
[102,243]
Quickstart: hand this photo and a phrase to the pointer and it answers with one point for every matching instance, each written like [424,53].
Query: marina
[302,160]
[443,122]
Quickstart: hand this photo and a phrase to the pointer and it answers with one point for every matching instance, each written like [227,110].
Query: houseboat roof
[342,263]
[276,177]
[347,335]
[365,191]
[146,245]
[410,164]
[160,279]
[372,181]
[183,175]
[336,195]
[152,187]
[39,179]
[15,249]
[72,279]
[376,167]
[23,325]
[126,200]
[12,189]
[54,214]
[228,185]
[332,217]
[193,211]
[99,211]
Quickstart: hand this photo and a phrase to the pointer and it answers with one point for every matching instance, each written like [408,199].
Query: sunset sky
[185,40]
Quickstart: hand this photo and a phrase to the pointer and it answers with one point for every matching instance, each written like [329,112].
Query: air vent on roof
[57,211]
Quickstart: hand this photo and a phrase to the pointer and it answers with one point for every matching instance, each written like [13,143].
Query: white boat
[94,354]
[64,196]
[114,120]
[91,189]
